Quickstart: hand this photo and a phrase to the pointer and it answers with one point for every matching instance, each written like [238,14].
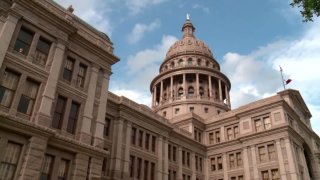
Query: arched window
[207,63]
[172,64]
[201,91]
[199,62]
[190,91]
[180,62]
[165,67]
[190,61]
[180,92]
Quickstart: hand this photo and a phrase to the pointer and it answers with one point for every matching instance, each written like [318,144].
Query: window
[237,177]
[73,117]
[188,159]
[68,69]
[106,129]
[153,171]
[42,51]
[139,168]
[176,110]
[174,153]
[273,173]
[23,42]
[189,61]
[146,167]
[63,169]
[216,163]
[169,151]
[197,135]
[232,132]
[206,110]
[140,136]
[81,75]
[46,168]
[265,175]
[235,160]
[59,112]
[133,135]
[147,140]
[164,113]
[199,62]
[131,164]
[180,62]
[267,153]
[191,109]
[190,91]
[28,97]
[8,86]
[180,92]
[10,160]
[153,144]
[214,137]
[262,123]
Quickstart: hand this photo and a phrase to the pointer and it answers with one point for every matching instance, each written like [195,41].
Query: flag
[288,81]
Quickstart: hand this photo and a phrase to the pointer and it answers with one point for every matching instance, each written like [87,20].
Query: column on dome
[210,86]
[197,86]
[220,90]
[171,88]
[184,83]
[226,92]
[161,92]
[152,92]
[155,96]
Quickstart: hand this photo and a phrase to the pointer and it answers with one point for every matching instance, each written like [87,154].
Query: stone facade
[58,120]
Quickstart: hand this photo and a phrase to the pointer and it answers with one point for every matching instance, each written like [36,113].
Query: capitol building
[59,121]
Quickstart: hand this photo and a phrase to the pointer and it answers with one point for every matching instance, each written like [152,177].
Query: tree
[309,8]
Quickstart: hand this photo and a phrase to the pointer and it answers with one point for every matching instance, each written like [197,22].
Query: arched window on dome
[199,62]
[165,67]
[180,92]
[190,91]
[180,62]
[201,91]
[190,61]
[207,63]
[172,64]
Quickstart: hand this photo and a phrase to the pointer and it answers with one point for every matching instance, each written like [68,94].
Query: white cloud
[136,6]
[146,58]
[140,29]
[256,75]
[91,12]
[201,7]
[137,96]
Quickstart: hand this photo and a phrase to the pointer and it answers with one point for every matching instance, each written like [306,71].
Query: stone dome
[189,44]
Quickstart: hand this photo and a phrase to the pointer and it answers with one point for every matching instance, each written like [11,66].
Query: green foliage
[309,8]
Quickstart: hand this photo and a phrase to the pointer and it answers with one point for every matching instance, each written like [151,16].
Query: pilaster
[193,167]
[165,160]
[246,163]
[179,163]
[220,90]
[291,160]
[117,149]
[160,157]
[127,151]
[225,166]
[81,163]
[283,175]
[254,163]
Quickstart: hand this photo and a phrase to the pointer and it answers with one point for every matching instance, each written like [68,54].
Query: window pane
[8,86]
[59,112]
[68,69]
[81,75]
[73,116]
[28,97]
[63,169]
[24,40]
[10,161]
[43,45]
[23,104]
[46,167]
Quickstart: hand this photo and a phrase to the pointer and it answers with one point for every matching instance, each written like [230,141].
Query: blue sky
[250,39]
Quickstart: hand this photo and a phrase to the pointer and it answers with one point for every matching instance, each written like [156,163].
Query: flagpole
[284,86]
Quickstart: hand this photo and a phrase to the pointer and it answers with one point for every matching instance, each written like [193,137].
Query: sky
[250,39]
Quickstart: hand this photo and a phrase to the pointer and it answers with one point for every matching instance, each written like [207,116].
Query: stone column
[291,160]
[222,134]
[185,91]
[98,140]
[161,91]
[117,149]
[152,92]
[197,86]
[220,90]
[246,167]
[171,88]
[179,163]
[228,98]
[155,96]
[165,160]
[81,162]
[226,92]
[44,116]
[126,171]
[305,166]
[210,86]
[95,168]
[282,170]
[254,163]
[160,157]
[225,166]
[33,157]
[85,132]
[193,167]
[206,168]
[6,34]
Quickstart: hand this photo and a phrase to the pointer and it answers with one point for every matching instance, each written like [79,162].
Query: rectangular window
[153,144]
[262,153]
[59,112]
[236,131]
[81,75]
[213,164]
[139,163]
[196,162]
[211,138]
[147,141]
[200,164]
[231,161]
[262,123]
[271,152]
[183,157]
[265,175]
[28,97]
[8,86]
[42,51]
[188,159]
[275,174]
[258,125]
[176,111]
[174,152]
[219,160]
[46,168]
[68,69]
[131,164]
[63,169]
[217,133]
[267,122]
[23,42]
[73,117]
[239,159]
[133,135]
[106,129]
[10,160]
[146,167]
[229,134]
[140,137]
[153,171]
[169,151]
